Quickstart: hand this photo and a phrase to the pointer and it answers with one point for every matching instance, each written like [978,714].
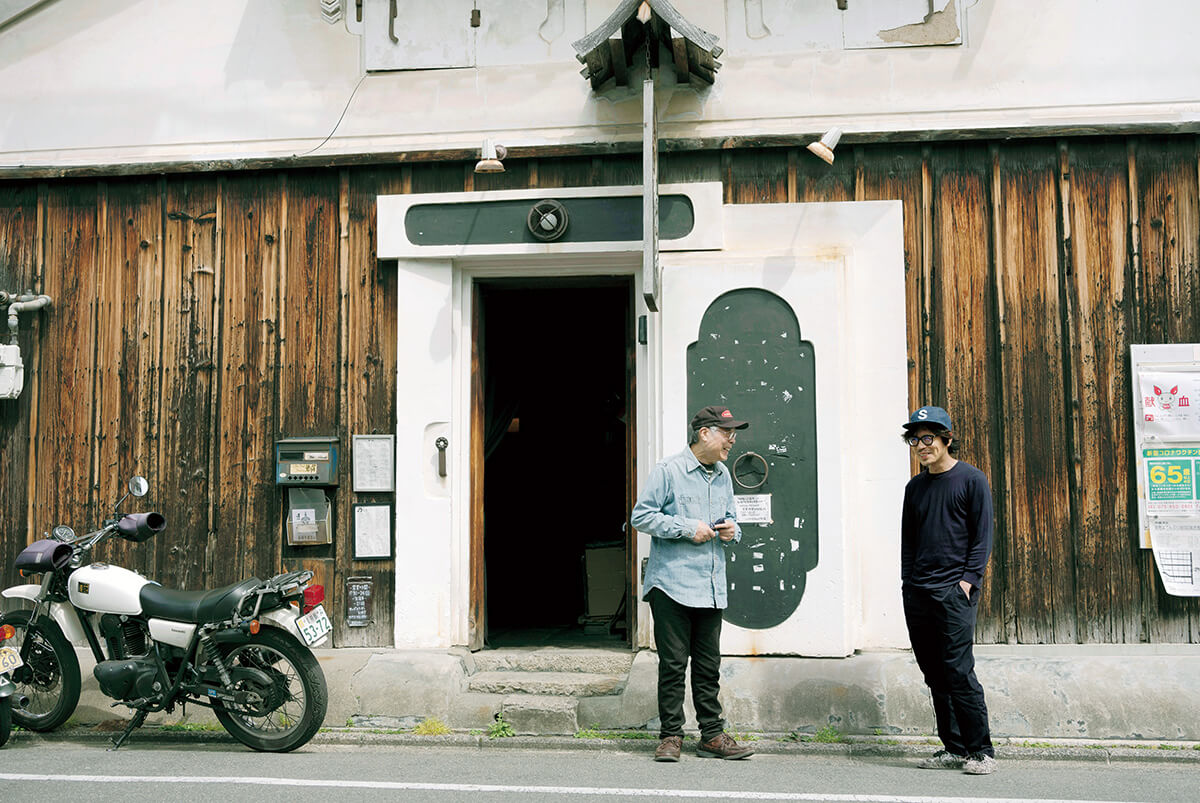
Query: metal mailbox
[306,461]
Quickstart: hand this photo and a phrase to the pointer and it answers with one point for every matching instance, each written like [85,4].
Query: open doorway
[554,406]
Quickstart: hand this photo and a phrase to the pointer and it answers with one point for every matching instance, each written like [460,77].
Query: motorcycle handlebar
[140,527]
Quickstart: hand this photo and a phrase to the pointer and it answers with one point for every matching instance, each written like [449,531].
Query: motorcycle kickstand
[138,720]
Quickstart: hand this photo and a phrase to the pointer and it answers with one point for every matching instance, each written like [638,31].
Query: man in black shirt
[945,541]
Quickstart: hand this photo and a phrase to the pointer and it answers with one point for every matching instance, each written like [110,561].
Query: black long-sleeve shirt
[946,527]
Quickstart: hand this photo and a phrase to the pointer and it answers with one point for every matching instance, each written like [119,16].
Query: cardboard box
[604,567]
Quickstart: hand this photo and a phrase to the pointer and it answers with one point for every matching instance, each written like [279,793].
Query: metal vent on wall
[547,220]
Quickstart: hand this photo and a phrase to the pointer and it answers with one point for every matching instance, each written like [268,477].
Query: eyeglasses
[730,435]
[924,439]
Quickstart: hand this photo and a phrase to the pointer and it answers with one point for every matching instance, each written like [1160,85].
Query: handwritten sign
[359,591]
[753,508]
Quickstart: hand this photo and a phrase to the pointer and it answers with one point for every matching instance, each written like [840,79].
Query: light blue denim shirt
[679,494]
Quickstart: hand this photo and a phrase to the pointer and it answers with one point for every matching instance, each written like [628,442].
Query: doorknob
[441,444]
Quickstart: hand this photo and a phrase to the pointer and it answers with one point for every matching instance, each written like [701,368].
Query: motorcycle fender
[7,689]
[285,619]
[63,615]
[28,592]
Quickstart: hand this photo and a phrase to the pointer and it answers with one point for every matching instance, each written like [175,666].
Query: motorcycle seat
[199,607]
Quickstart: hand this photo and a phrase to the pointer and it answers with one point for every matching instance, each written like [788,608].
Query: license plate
[313,625]
[10,659]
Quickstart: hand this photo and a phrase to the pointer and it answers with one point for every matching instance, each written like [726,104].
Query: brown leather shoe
[668,748]
[723,746]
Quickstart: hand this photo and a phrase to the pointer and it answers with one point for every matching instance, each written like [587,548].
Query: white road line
[524,790]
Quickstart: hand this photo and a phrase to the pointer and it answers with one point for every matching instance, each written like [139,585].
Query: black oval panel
[749,357]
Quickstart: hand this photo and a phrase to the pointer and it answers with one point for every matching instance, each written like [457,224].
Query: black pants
[682,632]
[941,627]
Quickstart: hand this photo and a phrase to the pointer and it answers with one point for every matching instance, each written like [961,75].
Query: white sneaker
[941,760]
[979,764]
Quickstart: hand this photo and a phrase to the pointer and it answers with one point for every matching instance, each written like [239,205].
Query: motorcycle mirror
[138,486]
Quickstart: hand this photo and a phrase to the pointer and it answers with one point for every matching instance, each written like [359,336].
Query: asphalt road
[33,770]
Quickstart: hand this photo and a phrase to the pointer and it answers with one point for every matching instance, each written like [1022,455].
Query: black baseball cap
[713,416]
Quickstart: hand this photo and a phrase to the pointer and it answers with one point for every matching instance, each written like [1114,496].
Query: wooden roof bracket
[599,67]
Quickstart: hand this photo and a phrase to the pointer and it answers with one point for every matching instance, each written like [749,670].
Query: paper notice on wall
[1169,479]
[753,508]
[1170,403]
[1176,544]
[305,528]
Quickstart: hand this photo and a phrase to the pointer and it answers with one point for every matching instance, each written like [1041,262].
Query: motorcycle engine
[126,637]
[127,678]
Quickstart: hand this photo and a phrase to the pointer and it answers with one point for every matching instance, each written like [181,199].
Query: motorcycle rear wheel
[49,681]
[5,719]
[297,695]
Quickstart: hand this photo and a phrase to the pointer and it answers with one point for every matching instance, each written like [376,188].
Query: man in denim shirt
[687,506]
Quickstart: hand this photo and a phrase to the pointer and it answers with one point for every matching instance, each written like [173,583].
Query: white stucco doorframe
[433,528]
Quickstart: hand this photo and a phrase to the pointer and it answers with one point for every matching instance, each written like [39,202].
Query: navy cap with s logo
[931,417]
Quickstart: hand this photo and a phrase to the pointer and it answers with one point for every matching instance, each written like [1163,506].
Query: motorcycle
[243,650]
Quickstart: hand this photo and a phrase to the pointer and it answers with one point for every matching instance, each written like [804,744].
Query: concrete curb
[771,744]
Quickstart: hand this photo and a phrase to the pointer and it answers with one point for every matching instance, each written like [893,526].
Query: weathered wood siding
[197,318]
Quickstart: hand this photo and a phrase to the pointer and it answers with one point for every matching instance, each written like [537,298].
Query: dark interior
[556,386]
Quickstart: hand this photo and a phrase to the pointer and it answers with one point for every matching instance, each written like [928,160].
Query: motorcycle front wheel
[5,719]
[284,688]
[48,684]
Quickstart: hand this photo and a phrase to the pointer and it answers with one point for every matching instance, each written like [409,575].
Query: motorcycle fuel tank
[107,589]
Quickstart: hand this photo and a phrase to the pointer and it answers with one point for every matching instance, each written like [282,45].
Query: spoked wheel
[281,689]
[48,683]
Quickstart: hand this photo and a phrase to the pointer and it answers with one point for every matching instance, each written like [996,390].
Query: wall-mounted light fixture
[491,158]
[825,145]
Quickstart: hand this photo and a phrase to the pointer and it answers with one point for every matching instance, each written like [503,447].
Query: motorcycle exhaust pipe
[141,526]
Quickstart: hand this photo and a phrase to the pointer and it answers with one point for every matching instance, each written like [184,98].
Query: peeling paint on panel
[938,28]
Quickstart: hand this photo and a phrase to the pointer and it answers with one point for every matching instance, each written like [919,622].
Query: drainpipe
[16,304]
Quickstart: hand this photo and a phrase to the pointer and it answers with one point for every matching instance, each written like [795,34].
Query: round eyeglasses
[730,435]
[924,439]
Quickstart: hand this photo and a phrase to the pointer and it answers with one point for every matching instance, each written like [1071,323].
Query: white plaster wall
[427,589]
[148,80]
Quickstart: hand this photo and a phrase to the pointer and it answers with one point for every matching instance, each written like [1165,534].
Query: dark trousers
[941,627]
[681,633]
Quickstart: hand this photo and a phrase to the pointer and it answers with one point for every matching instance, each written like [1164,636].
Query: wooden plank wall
[198,318]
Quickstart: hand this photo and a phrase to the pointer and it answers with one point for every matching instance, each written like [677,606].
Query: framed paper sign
[374,463]
[373,532]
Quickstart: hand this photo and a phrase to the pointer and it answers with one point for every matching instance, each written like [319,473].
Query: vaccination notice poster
[1170,480]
